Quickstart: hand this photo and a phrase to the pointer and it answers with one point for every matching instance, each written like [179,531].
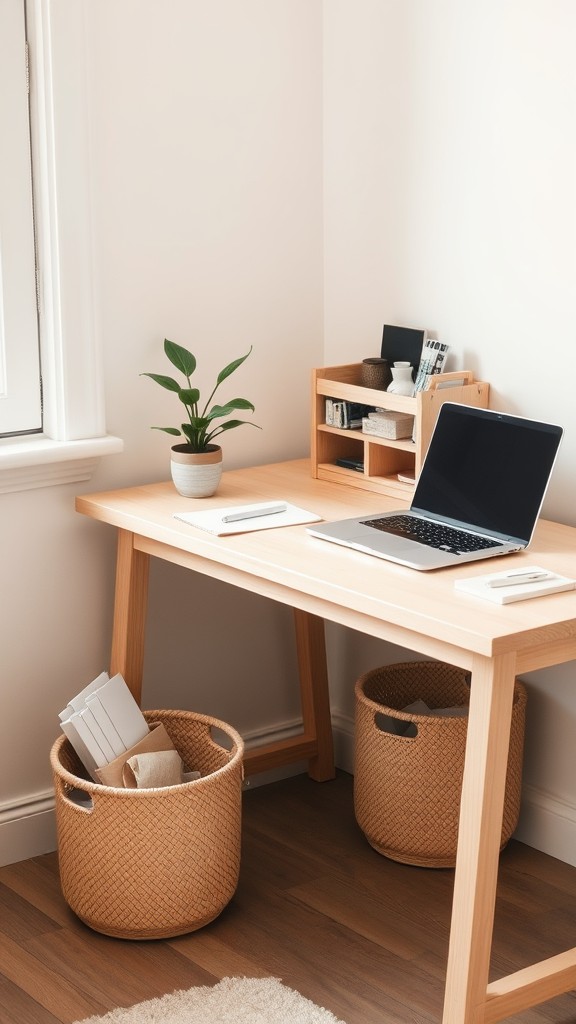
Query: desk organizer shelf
[383,458]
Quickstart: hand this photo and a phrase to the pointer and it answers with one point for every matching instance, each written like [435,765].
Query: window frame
[20,384]
[74,432]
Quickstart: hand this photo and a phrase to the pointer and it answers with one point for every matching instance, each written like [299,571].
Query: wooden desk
[419,611]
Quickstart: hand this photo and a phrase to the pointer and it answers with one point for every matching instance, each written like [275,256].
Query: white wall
[450,204]
[419,155]
[206,160]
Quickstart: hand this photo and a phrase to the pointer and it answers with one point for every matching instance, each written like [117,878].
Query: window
[73,430]
[20,390]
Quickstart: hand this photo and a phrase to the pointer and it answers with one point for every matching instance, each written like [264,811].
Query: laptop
[478,495]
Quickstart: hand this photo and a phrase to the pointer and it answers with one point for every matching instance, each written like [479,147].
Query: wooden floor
[316,907]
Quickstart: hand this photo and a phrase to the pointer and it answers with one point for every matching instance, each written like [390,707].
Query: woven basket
[407,787]
[153,863]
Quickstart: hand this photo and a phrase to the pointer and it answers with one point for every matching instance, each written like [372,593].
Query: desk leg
[130,604]
[311,648]
[479,839]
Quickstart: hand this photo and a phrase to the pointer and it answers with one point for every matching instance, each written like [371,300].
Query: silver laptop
[478,495]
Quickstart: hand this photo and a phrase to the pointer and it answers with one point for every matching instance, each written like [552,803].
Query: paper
[479,586]
[212,520]
[122,710]
[102,721]
[79,701]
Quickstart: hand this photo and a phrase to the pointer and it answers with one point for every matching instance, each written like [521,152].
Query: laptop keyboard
[435,535]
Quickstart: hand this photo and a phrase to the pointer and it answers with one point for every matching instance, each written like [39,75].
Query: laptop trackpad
[375,540]
[398,548]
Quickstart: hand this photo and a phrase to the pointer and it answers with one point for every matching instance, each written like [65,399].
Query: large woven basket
[407,787]
[153,863]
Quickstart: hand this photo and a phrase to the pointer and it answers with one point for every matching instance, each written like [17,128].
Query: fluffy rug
[231,1001]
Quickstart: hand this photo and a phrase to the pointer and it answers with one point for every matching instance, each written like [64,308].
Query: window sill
[41,462]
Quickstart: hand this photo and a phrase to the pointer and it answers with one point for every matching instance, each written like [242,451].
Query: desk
[418,611]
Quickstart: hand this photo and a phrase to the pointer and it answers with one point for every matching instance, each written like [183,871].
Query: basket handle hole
[395,726]
[79,798]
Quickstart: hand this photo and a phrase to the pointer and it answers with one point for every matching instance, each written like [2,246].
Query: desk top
[355,589]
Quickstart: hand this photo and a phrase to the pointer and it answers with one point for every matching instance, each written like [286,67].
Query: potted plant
[196,463]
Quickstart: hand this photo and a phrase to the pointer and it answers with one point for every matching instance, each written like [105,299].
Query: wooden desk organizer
[383,458]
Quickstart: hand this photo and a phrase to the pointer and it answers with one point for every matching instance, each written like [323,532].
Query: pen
[519,577]
[270,510]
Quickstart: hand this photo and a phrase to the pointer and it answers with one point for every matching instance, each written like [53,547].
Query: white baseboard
[27,828]
[547,823]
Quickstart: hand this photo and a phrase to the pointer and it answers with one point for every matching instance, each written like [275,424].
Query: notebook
[478,495]
[247,518]
[518,585]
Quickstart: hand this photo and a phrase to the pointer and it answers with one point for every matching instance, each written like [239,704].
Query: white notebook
[122,709]
[213,519]
[94,705]
[79,701]
[103,721]
[479,586]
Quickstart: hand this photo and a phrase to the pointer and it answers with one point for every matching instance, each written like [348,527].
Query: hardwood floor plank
[357,911]
[218,958]
[37,881]
[20,919]
[16,1007]
[316,906]
[113,972]
[302,943]
[543,868]
[44,985]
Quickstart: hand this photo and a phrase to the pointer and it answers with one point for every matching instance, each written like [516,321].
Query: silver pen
[254,513]
[520,577]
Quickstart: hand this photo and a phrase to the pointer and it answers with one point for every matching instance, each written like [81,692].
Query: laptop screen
[487,469]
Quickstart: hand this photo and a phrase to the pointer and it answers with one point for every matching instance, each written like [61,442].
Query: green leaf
[225,410]
[201,422]
[190,396]
[229,425]
[232,366]
[165,382]
[196,438]
[180,357]
[168,430]
[233,423]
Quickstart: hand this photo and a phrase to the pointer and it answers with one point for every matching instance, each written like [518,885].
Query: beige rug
[231,1001]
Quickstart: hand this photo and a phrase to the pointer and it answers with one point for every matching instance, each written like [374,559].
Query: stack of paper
[510,586]
[262,515]
[103,721]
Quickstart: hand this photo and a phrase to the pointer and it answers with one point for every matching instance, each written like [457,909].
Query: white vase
[196,474]
[402,383]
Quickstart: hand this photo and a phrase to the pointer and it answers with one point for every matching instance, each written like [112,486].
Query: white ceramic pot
[196,474]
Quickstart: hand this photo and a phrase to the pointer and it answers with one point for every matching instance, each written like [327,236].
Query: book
[76,726]
[102,722]
[480,586]
[213,520]
[79,701]
[122,710]
[89,719]
[103,719]
[69,729]
[433,360]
